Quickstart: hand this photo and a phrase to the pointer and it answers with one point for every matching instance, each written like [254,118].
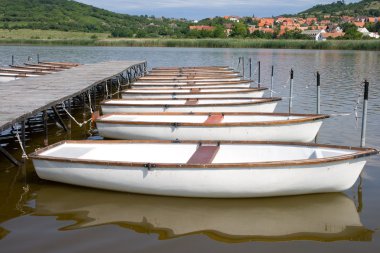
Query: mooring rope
[72,117]
[358,103]
[19,205]
[253,74]
[107,95]
[24,155]
[89,101]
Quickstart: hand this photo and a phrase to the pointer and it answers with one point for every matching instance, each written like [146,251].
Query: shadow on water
[320,217]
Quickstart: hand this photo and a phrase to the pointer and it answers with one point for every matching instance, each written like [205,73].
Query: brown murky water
[42,216]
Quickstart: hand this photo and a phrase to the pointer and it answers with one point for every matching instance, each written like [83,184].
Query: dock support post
[38,58]
[94,98]
[318,93]
[69,110]
[9,156]
[23,134]
[272,82]
[259,74]
[110,91]
[364,118]
[13,60]
[291,91]
[59,119]
[45,118]
[84,105]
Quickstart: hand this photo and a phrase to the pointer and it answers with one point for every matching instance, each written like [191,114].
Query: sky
[198,9]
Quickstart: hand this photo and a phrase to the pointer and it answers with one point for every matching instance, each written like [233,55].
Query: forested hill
[362,8]
[66,15]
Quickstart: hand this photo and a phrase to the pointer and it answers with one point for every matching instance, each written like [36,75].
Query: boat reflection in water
[321,217]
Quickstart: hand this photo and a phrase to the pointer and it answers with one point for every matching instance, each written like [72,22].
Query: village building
[315,34]
[252,29]
[232,18]
[365,32]
[202,27]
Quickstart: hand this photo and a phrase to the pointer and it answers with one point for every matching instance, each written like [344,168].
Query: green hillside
[362,8]
[66,15]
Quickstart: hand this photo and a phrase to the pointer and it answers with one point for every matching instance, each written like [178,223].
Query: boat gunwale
[261,101]
[190,83]
[306,118]
[190,78]
[205,80]
[361,152]
[245,90]
[206,88]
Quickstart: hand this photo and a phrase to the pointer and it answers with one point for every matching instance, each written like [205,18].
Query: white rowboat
[143,85]
[203,169]
[194,93]
[211,126]
[184,84]
[190,105]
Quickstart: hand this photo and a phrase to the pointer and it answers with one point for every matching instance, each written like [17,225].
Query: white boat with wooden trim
[6,77]
[203,169]
[243,83]
[211,126]
[190,105]
[147,85]
[185,79]
[225,220]
[194,93]
[195,74]
[194,68]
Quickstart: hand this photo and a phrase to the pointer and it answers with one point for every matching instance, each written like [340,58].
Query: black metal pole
[364,118]
[250,69]
[291,91]
[318,93]
[272,82]
[13,60]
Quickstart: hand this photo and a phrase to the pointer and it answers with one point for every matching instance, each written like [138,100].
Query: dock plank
[22,98]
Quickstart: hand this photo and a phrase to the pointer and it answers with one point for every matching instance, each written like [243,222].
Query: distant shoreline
[204,43]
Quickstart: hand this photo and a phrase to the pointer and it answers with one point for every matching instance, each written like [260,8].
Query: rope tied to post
[24,155]
[356,107]
[80,124]
[253,74]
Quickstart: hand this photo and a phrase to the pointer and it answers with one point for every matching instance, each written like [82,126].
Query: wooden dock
[25,97]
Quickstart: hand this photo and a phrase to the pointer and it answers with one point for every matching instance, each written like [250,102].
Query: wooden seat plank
[214,119]
[204,154]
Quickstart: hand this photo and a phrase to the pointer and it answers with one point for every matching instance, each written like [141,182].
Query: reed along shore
[206,43]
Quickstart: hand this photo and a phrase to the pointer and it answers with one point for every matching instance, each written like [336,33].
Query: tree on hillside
[239,30]
[351,32]
[219,32]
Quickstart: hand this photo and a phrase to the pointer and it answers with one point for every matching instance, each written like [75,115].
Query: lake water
[41,216]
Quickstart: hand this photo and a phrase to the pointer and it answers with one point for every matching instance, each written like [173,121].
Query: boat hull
[250,94]
[190,86]
[295,132]
[230,182]
[248,107]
